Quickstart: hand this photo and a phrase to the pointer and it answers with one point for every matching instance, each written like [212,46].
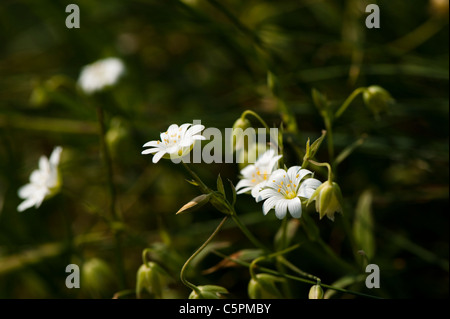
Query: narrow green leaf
[220,187]
[364,224]
[233,191]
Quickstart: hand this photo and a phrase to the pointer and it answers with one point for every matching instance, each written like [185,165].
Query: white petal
[151,143]
[269,204]
[308,187]
[44,164]
[173,129]
[273,162]
[248,170]
[55,156]
[244,190]
[151,150]
[293,171]
[158,156]
[303,173]
[266,193]
[30,202]
[26,190]
[295,207]
[244,183]
[281,208]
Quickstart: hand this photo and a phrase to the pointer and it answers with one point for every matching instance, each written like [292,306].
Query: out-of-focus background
[209,60]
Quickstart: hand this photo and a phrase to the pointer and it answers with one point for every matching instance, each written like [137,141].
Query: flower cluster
[279,189]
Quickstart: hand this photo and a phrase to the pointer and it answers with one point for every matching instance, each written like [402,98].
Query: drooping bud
[98,278]
[377,99]
[209,292]
[263,286]
[316,292]
[328,199]
[151,278]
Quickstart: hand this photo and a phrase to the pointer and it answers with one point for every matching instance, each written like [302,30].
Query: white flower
[284,189]
[44,182]
[176,142]
[255,176]
[102,73]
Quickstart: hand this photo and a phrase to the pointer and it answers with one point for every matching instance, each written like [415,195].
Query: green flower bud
[98,278]
[316,292]
[377,99]
[151,278]
[328,199]
[263,286]
[209,292]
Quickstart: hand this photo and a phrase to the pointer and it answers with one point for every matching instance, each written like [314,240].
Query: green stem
[330,171]
[205,189]
[113,196]
[275,254]
[183,270]
[298,270]
[347,102]
[247,233]
[255,115]
[329,127]
[296,278]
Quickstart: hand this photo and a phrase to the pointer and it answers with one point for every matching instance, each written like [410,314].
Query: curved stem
[347,102]
[330,172]
[255,115]
[182,276]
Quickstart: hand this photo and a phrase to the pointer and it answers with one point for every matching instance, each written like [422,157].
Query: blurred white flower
[255,176]
[96,76]
[176,142]
[44,182]
[284,189]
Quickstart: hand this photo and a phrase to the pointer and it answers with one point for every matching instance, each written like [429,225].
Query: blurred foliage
[209,60]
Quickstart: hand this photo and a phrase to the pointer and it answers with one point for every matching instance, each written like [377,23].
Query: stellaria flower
[100,74]
[284,190]
[176,142]
[44,182]
[255,176]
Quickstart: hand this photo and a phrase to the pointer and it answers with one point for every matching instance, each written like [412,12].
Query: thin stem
[113,196]
[330,142]
[298,270]
[276,273]
[330,172]
[202,185]
[182,275]
[347,102]
[275,254]
[247,233]
[259,118]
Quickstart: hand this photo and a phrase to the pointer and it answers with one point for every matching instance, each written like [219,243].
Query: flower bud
[328,199]
[263,286]
[151,278]
[316,292]
[209,292]
[194,204]
[98,278]
[377,99]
